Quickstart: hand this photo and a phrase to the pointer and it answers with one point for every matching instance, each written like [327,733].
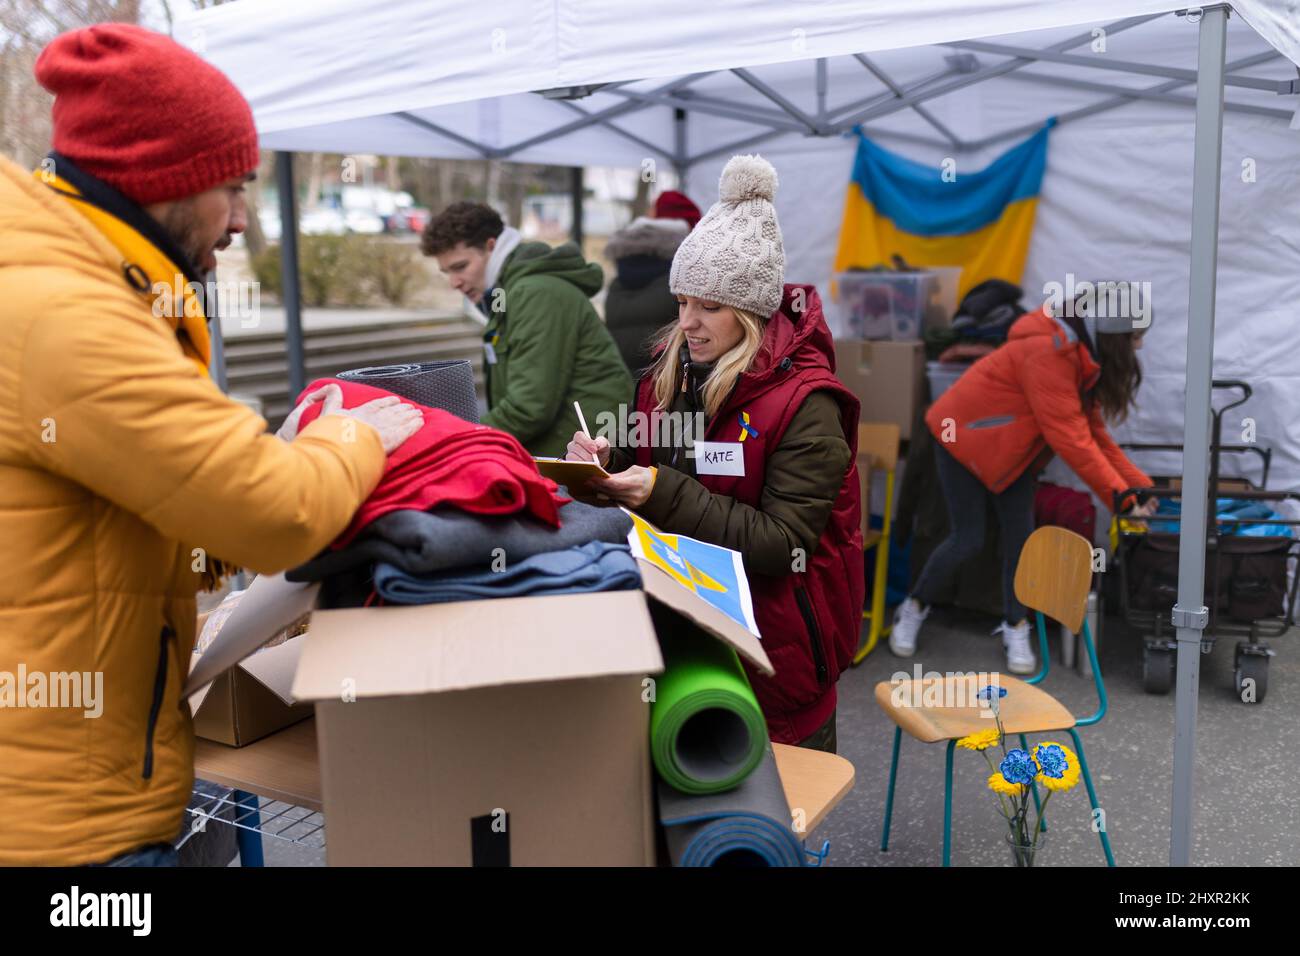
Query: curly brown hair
[472,223]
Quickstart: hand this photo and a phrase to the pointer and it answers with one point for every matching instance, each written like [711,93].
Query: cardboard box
[888,378]
[504,732]
[253,699]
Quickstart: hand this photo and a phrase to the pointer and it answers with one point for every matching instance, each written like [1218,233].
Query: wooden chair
[877,448]
[1052,578]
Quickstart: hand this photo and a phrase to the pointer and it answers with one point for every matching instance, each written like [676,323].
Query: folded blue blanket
[596,566]
[1226,509]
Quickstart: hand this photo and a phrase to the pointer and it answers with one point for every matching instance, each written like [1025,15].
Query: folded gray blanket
[422,542]
[595,566]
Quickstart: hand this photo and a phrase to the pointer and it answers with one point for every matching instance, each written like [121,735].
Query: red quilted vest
[809,620]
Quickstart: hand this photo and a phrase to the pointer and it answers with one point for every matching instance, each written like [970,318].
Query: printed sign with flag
[980,220]
[710,571]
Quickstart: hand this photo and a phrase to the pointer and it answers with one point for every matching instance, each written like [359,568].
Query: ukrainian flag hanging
[980,221]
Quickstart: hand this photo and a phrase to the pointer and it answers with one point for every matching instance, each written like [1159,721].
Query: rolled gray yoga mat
[749,826]
[445,385]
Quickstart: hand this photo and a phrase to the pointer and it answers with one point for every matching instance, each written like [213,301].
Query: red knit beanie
[674,205]
[139,111]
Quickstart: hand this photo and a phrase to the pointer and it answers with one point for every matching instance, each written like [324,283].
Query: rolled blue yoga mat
[746,827]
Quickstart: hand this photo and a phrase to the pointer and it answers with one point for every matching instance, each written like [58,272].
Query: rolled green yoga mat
[707,732]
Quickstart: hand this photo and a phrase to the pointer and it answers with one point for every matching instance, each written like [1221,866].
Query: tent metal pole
[875,99]
[681,161]
[987,73]
[1114,102]
[737,112]
[823,87]
[1189,615]
[212,305]
[917,108]
[290,281]
[764,137]
[577,189]
[694,97]
[735,146]
[1180,99]
[484,151]
[609,113]
[1119,66]
[609,125]
[775,96]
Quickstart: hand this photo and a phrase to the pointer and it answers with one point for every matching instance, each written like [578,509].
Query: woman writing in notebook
[773,475]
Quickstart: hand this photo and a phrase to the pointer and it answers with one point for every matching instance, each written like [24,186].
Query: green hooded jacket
[551,349]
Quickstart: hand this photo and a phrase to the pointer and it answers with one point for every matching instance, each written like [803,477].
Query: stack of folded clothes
[462,513]
[478,469]
[447,554]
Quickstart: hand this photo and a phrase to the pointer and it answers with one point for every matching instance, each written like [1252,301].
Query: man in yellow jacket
[127,479]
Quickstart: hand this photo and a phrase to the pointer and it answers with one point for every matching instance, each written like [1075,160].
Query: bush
[266,270]
[391,269]
[321,269]
[345,270]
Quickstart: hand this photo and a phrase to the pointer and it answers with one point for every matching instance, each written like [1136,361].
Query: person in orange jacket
[128,480]
[1050,388]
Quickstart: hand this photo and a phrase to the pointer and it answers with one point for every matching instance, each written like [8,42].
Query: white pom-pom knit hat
[735,256]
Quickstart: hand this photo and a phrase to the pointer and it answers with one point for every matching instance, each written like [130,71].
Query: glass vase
[1024,854]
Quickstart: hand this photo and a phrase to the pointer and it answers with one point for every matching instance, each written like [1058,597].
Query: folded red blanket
[448,461]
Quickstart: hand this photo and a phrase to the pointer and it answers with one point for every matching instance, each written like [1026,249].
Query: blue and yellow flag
[980,221]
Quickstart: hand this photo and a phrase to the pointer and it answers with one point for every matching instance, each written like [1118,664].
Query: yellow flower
[981,740]
[1069,773]
[1000,784]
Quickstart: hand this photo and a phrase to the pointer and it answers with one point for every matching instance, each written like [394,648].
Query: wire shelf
[299,826]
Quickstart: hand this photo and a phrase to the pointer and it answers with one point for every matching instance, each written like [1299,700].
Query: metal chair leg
[1033,787]
[1092,795]
[889,798]
[947,804]
[249,841]
[879,581]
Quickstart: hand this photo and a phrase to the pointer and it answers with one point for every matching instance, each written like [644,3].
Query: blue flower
[1019,767]
[1052,760]
[986,693]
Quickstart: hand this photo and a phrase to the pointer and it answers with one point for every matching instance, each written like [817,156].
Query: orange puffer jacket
[122,467]
[998,417]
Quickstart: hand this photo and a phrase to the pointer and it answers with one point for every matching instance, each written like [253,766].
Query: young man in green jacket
[544,347]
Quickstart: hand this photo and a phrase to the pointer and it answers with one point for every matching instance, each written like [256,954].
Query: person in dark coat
[639,302]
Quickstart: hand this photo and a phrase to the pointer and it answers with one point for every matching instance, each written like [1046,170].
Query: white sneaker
[907,623]
[1020,655]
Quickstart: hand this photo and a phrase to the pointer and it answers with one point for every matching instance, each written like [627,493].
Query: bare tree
[26,26]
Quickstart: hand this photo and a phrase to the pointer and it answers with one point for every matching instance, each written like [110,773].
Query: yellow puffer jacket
[118,458]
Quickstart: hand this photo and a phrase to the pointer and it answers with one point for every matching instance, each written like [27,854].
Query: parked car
[363,221]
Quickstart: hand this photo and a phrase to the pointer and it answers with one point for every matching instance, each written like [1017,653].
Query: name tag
[490,353]
[719,458]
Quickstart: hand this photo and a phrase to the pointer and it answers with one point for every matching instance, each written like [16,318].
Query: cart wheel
[1251,677]
[1157,670]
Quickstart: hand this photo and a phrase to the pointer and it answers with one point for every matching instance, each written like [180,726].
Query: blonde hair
[669,377]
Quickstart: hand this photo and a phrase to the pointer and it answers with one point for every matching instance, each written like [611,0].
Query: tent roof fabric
[410,77]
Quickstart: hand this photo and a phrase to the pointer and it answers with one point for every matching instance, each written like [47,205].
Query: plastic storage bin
[894,305]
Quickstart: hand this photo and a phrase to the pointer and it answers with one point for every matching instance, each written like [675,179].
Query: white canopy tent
[678,82]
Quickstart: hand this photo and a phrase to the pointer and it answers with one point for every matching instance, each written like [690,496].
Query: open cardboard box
[512,731]
[252,699]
